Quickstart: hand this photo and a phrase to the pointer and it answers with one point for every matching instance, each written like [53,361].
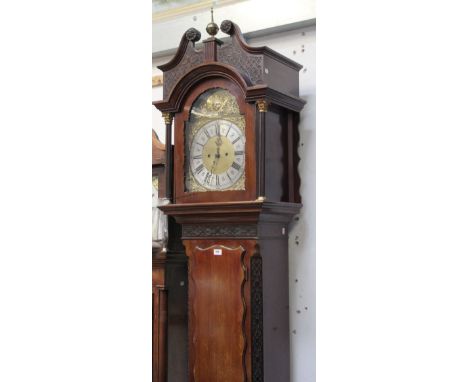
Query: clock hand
[219,141]
[217,156]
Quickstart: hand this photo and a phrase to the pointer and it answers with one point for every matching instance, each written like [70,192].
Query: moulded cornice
[263,92]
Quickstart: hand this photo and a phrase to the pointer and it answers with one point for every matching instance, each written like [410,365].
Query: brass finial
[212,28]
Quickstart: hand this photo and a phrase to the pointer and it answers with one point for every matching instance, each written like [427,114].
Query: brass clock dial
[215,143]
[217,155]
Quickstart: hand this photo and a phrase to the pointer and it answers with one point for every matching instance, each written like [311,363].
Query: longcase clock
[234,187]
[159,295]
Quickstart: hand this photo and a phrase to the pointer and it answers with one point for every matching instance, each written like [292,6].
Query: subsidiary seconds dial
[217,155]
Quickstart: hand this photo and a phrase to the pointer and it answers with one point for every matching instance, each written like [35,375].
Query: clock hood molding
[260,72]
[198,74]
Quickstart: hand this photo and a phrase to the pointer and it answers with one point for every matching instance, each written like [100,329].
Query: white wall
[246,13]
[158,122]
[298,45]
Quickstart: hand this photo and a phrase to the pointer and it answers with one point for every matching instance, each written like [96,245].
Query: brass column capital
[262,106]
[168,118]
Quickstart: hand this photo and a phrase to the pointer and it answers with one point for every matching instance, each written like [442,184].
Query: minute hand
[217,156]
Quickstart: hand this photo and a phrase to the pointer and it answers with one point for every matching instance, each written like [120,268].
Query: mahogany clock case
[236,241]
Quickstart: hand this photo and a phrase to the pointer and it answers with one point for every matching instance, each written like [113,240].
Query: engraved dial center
[218,157]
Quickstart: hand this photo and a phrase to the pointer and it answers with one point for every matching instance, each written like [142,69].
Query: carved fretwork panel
[219,230]
[191,59]
[257,316]
[249,64]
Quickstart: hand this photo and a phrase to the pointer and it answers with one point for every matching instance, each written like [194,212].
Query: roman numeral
[228,131]
[199,169]
[236,166]
[238,153]
[218,129]
[233,142]
[207,134]
[207,178]
[197,157]
[217,180]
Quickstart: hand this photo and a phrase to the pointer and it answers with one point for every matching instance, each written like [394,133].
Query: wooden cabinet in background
[159,295]
[169,297]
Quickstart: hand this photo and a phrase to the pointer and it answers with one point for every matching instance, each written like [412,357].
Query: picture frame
[157,81]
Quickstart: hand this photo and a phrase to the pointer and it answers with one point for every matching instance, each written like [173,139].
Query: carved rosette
[227,27]
[193,35]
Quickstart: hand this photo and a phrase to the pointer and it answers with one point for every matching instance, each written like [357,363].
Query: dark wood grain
[219,299]
[211,49]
